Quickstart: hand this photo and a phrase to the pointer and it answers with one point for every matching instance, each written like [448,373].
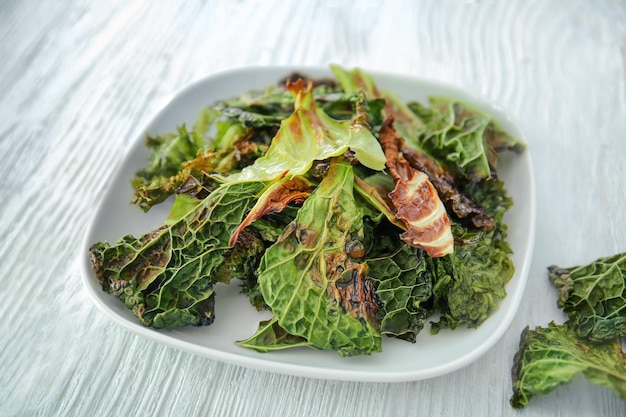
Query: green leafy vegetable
[274,200]
[469,283]
[315,290]
[333,203]
[458,204]
[403,289]
[415,199]
[270,336]
[309,134]
[170,152]
[594,296]
[464,138]
[553,355]
[408,125]
[166,276]
[177,157]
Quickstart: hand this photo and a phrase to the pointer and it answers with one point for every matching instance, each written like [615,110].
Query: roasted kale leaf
[403,290]
[308,135]
[464,138]
[594,296]
[169,153]
[167,276]
[551,356]
[314,288]
[469,283]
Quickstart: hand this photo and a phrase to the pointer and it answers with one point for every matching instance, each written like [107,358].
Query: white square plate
[236,319]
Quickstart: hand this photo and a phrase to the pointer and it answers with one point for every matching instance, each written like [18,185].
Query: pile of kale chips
[344,211]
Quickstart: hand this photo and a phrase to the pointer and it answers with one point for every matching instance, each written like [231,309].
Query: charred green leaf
[552,356]
[309,134]
[313,288]
[167,276]
[594,296]
[469,283]
[403,290]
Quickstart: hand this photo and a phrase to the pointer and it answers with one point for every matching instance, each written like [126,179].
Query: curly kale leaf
[469,283]
[310,280]
[269,228]
[167,276]
[457,203]
[276,102]
[267,219]
[417,202]
[242,259]
[551,356]
[403,290]
[455,136]
[232,134]
[224,139]
[594,296]
[231,148]
[169,152]
[464,138]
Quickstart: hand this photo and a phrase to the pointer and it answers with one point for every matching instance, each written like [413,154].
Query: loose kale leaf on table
[314,288]
[594,296]
[551,356]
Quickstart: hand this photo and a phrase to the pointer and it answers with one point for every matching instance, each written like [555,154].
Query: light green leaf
[407,123]
[315,290]
[270,336]
[309,134]
[551,356]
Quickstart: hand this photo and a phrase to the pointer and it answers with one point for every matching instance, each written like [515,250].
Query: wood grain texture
[80,78]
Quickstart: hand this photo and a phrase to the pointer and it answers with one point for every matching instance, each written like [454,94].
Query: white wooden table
[79,78]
